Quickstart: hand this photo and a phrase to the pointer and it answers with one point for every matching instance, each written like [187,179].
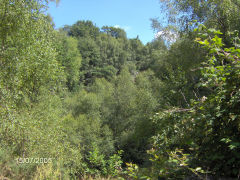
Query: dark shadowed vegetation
[84,102]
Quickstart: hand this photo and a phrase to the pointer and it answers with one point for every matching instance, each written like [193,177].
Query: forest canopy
[87,102]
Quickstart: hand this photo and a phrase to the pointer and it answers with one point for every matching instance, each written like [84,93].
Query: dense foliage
[84,102]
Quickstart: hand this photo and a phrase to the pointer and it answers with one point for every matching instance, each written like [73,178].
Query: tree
[84,29]
[28,64]
[114,32]
[30,77]
[208,130]
[70,59]
[123,117]
[222,15]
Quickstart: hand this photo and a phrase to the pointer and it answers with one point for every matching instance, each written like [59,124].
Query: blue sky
[131,15]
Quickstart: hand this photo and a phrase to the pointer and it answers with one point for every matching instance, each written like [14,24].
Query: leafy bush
[209,129]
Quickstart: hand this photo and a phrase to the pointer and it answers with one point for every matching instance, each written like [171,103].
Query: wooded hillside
[86,102]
